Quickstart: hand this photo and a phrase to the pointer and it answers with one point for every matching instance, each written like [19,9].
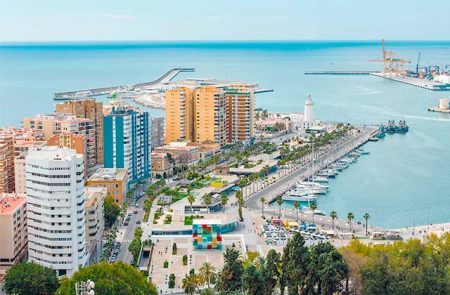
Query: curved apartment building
[55,209]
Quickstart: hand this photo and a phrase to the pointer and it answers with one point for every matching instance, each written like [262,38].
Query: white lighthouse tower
[309,113]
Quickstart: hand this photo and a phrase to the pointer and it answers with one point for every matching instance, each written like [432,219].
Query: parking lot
[277,234]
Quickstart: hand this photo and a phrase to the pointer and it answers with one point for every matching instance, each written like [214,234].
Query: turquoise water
[404,177]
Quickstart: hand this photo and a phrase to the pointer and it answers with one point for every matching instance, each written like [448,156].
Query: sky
[148,20]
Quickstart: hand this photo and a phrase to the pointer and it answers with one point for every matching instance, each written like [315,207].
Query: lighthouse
[309,113]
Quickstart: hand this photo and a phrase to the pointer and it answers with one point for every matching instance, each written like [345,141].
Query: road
[128,231]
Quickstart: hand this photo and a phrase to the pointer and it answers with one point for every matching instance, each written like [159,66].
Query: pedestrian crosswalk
[126,241]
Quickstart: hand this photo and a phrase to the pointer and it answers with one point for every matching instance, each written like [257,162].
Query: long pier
[339,72]
[422,83]
[164,78]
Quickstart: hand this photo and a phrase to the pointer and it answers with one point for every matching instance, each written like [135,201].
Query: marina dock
[164,78]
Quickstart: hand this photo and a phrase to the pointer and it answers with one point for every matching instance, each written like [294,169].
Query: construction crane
[392,63]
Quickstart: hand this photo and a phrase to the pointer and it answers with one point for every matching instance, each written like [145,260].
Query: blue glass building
[126,140]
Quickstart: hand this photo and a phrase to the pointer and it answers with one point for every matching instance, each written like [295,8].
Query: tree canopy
[116,278]
[111,210]
[31,279]
[411,267]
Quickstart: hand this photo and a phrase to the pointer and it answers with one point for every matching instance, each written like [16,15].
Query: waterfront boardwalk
[306,167]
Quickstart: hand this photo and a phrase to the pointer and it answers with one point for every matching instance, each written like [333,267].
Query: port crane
[392,63]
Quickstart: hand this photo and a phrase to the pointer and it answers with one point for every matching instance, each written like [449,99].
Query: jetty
[339,72]
[161,80]
[417,82]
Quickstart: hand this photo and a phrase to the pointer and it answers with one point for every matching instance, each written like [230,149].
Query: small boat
[314,184]
[381,131]
[301,192]
[321,179]
[374,139]
[402,127]
[362,151]
[314,190]
[391,128]
[327,174]
[303,199]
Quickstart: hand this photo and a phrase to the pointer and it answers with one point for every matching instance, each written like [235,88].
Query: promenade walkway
[307,166]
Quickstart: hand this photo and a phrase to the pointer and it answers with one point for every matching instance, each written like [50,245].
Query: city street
[126,233]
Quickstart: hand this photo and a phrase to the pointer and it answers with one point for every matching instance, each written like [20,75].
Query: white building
[309,112]
[55,205]
[95,223]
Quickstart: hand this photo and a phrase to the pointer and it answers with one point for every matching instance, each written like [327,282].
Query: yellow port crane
[392,63]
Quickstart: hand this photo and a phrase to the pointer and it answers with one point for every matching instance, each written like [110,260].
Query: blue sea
[405,179]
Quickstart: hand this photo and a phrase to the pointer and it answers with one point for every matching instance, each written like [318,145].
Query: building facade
[181,153]
[89,109]
[162,165]
[21,148]
[59,123]
[210,114]
[179,115]
[76,142]
[115,180]
[158,137]
[13,230]
[6,163]
[241,107]
[127,142]
[95,222]
[55,209]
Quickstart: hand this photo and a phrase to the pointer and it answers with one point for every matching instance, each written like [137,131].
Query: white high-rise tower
[309,113]
[55,209]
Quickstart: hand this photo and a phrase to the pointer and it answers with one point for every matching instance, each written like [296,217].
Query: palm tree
[296,205]
[366,217]
[259,262]
[223,201]
[263,201]
[333,215]
[207,272]
[279,202]
[207,200]
[313,207]
[191,283]
[350,216]
[191,200]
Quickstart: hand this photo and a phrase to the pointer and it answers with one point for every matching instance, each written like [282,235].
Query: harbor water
[404,180]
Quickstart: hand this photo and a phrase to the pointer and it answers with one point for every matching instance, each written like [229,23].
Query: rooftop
[93,193]
[177,145]
[10,202]
[52,153]
[103,174]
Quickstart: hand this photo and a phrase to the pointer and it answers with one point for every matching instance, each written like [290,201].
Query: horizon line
[216,41]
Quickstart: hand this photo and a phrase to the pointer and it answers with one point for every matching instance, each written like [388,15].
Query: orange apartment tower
[179,115]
